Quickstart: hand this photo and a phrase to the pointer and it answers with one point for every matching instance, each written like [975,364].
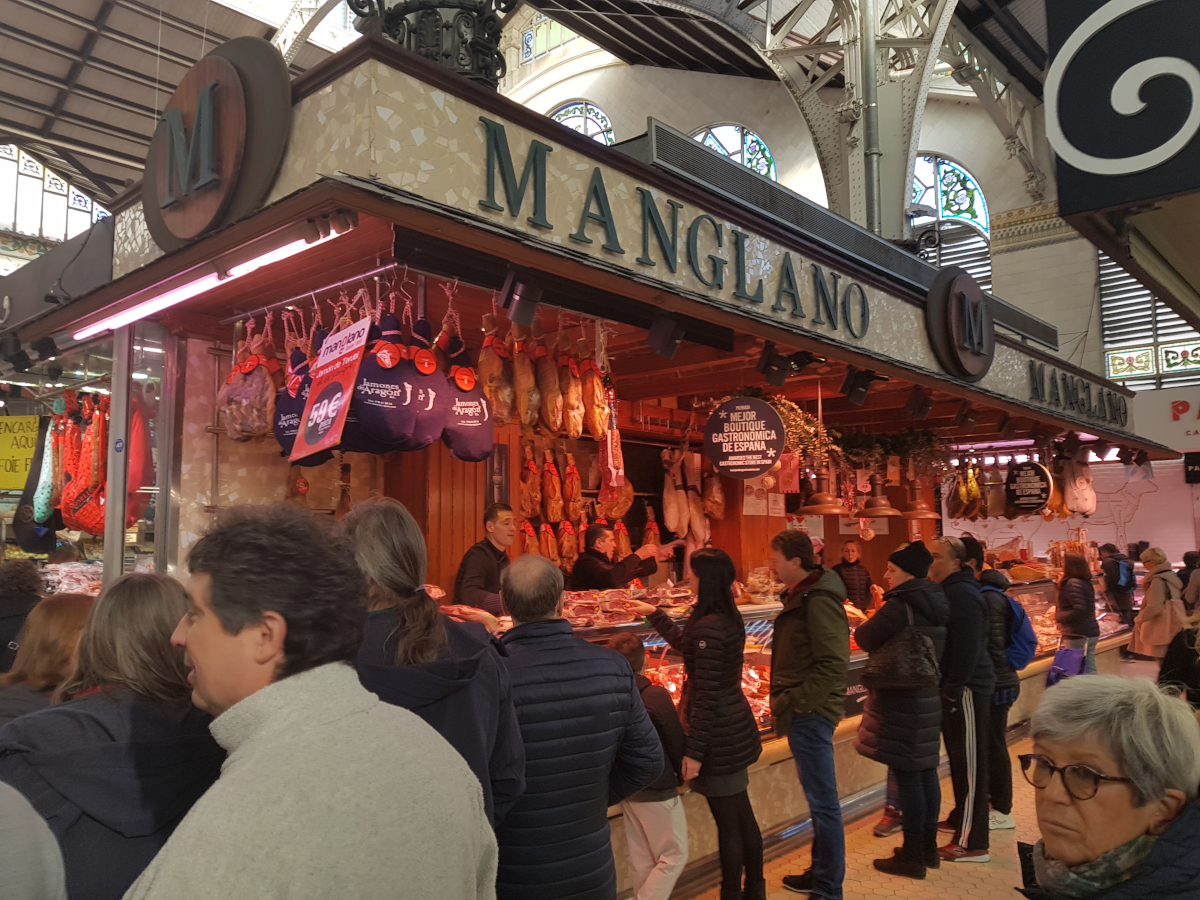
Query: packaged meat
[495,371]
[595,397]
[525,385]
[568,547]
[548,543]
[246,400]
[468,432]
[426,388]
[572,489]
[570,386]
[531,487]
[714,496]
[624,546]
[552,490]
[83,497]
[529,540]
[546,366]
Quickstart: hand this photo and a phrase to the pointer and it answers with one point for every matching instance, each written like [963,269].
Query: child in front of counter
[655,821]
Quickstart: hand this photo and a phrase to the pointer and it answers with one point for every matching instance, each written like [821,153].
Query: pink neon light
[195,288]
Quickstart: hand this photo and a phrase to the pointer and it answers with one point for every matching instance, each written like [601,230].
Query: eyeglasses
[1081,782]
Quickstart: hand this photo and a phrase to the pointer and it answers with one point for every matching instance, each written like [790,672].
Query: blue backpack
[1124,575]
[1022,642]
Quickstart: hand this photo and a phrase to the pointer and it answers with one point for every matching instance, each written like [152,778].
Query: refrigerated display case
[1039,599]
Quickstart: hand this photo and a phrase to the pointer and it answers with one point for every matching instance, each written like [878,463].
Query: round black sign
[744,438]
[1028,487]
[324,412]
[959,323]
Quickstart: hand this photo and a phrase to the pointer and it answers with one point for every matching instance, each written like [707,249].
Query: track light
[1008,428]
[777,368]
[45,348]
[20,361]
[520,297]
[665,336]
[858,383]
[967,417]
[919,403]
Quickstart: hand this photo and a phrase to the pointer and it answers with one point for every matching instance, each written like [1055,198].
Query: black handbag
[908,661]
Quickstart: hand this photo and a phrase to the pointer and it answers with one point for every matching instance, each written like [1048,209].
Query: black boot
[903,863]
[731,893]
[755,890]
[929,852]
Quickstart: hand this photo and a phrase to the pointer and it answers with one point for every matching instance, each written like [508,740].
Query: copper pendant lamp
[918,507]
[877,506]
[823,503]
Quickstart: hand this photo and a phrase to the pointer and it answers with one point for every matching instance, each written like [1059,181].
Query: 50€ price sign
[333,377]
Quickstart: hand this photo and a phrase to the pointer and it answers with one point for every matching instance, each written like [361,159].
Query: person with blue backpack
[1119,584]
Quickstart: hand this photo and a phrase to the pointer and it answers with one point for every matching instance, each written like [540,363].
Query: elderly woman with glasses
[1116,765]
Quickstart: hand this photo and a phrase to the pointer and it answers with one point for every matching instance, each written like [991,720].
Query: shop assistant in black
[478,580]
[596,570]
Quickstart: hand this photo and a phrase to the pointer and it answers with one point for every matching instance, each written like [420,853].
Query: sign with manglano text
[744,438]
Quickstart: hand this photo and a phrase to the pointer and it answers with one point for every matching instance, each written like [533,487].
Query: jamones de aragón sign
[838,304]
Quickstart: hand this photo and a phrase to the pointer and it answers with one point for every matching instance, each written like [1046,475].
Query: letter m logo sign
[189,162]
[974,337]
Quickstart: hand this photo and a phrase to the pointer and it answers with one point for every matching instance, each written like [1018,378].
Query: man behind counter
[478,580]
[596,570]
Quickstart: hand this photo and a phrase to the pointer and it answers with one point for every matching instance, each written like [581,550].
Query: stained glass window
[741,145]
[948,192]
[586,119]
[1130,363]
[36,201]
[543,36]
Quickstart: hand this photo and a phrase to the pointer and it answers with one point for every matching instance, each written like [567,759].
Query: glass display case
[1039,599]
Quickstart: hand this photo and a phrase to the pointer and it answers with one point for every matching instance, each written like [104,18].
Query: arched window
[741,145]
[587,119]
[950,217]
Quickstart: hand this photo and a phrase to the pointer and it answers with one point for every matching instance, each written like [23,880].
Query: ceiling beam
[40,43]
[111,34]
[83,148]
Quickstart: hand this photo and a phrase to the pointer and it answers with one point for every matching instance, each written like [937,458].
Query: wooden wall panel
[747,539]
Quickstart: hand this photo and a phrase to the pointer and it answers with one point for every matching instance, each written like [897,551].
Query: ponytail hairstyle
[390,550]
[716,573]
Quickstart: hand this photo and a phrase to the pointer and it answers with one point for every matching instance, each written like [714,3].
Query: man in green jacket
[810,654]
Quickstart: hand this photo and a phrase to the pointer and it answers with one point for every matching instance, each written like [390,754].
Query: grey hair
[958,550]
[532,587]
[1152,734]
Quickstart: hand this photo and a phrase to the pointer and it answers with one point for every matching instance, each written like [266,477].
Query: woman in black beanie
[901,728]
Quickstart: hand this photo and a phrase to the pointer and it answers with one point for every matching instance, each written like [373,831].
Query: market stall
[431,293]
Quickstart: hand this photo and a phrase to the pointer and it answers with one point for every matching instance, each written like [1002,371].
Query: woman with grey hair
[449,673]
[1116,765]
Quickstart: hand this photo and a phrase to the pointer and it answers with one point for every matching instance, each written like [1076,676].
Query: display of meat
[529,540]
[572,490]
[1079,493]
[595,397]
[546,365]
[531,487]
[568,547]
[247,398]
[548,543]
[525,383]
[624,546]
[714,496]
[83,496]
[343,500]
[650,537]
[495,372]
[552,491]
[697,524]
[570,386]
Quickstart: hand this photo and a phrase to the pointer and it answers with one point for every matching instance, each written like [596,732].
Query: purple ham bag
[468,431]
[382,397]
[430,390]
[289,407]
[373,398]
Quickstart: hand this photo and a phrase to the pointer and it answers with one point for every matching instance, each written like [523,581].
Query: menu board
[744,438]
[1028,487]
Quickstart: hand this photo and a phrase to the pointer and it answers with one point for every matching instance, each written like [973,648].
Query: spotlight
[776,367]
[665,336]
[45,348]
[1008,428]
[20,361]
[858,383]
[53,298]
[520,297]
[802,360]
[919,403]
[967,418]
[54,371]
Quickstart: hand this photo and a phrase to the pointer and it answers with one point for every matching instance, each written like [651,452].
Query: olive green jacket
[810,651]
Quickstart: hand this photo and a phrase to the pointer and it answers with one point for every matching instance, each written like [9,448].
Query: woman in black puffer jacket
[902,728]
[1076,613]
[722,735]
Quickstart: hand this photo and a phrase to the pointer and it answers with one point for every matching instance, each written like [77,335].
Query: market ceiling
[82,81]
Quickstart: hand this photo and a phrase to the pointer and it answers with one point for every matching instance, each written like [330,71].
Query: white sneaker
[998,821]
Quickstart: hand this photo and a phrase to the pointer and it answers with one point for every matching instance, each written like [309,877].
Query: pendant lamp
[823,503]
[918,507]
[877,506]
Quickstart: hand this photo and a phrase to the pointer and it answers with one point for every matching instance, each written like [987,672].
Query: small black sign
[744,438]
[1028,487]
[1191,468]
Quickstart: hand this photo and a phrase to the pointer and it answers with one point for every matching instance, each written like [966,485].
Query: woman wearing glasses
[1116,765]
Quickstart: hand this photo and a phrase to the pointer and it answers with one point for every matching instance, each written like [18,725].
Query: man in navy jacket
[588,744]
[968,680]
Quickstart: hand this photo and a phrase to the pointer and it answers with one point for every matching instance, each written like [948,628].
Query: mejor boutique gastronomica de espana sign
[744,438]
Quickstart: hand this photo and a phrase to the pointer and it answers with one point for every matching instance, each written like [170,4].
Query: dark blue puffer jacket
[588,743]
[1170,872]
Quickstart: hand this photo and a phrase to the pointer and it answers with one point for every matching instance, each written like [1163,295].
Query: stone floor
[953,881]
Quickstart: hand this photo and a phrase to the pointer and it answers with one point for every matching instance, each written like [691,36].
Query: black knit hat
[913,559]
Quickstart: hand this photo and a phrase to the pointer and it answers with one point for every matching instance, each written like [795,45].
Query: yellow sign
[18,440]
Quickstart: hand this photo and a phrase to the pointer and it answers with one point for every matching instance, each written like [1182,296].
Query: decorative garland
[805,436]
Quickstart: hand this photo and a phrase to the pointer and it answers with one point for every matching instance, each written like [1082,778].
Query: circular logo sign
[959,322]
[324,413]
[1028,487]
[744,438]
[465,379]
[425,361]
[387,355]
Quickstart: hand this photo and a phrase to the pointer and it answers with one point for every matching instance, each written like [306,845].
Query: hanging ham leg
[572,488]
[595,398]
[552,491]
[568,547]
[529,540]
[546,364]
[548,543]
[651,537]
[714,496]
[624,547]
[571,388]
[531,487]
[525,383]
[670,511]
[495,372]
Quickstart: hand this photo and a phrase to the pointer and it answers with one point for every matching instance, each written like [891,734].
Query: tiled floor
[953,881]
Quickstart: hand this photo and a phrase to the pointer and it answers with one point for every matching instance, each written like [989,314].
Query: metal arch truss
[1005,99]
[298,26]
